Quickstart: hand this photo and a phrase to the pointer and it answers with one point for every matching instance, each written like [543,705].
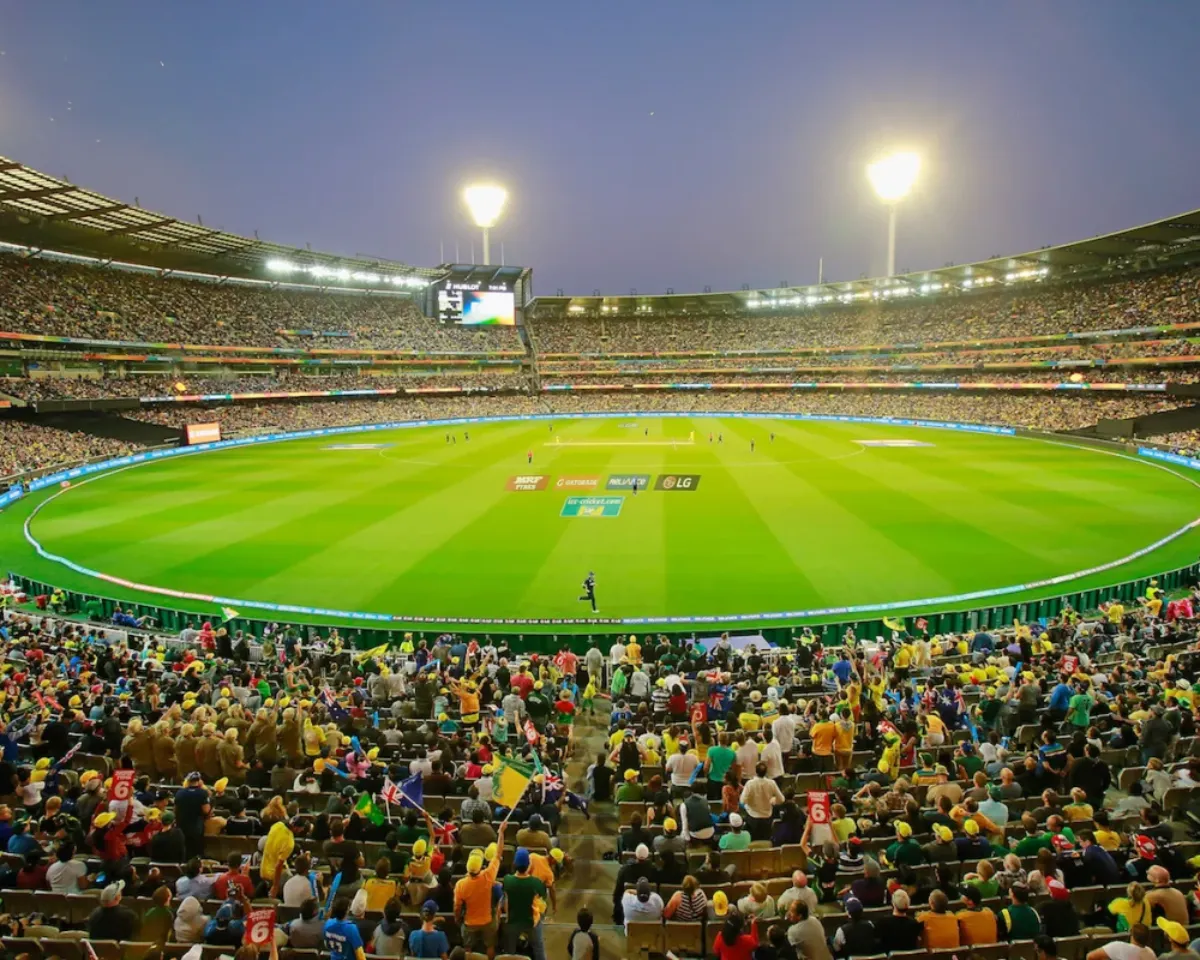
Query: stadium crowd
[26,446]
[91,388]
[61,299]
[1044,412]
[1041,308]
[990,788]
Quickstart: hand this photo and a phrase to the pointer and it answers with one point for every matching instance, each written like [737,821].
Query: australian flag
[412,792]
[337,713]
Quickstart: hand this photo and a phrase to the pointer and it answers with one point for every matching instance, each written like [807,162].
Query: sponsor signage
[818,806]
[677,481]
[203,432]
[589,481]
[592,506]
[625,481]
[528,481]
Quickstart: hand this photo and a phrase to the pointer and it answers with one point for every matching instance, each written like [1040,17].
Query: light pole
[892,178]
[486,202]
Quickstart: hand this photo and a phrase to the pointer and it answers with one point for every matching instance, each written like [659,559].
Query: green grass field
[812,519]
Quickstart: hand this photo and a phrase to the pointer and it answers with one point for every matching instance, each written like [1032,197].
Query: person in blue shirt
[843,668]
[1060,700]
[341,935]
[21,842]
[428,942]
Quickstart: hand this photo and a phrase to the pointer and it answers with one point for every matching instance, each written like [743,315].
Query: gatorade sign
[677,481]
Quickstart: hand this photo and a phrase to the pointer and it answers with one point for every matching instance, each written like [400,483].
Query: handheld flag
[509,782]
[892,623]
[412,792]
[337,712]
[379,651]
[390,793]
[229,614]
[366,808]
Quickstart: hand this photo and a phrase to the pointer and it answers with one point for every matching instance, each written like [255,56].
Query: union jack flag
[390,793]
[552,787]
[444,833]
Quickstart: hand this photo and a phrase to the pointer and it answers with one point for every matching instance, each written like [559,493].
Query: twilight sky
[646,143]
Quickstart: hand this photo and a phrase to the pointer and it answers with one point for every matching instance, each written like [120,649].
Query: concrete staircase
[589,883]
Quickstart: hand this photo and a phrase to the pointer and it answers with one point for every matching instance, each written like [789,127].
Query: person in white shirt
[616,653]
[784,730]
[65,873]
[747,756]
[300,886]
[799,890]
[760,797]
[641,904]
[639,684]
[1138,949]
[771,756]
[680,766]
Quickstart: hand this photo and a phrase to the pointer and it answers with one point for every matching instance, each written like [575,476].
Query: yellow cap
[943,832]
[538,685]
[1176,932]
[87,776]
[720,903]
[75,701]
[221,784]
[670,825]
[489,852]
[488,769]
[154,814]
[970,827]
[474,862]
[903,828]
[442,717]
[419,848]
[557,855]
[372,753]
[104,819]
[42,764]
[630,774]
[225,692]
[319,765]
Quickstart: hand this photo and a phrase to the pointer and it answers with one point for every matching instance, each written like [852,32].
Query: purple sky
[646,145]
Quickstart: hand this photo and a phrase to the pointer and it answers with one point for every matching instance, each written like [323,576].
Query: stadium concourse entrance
[548,637]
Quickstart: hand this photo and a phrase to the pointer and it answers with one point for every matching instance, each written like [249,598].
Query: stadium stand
[1013,793]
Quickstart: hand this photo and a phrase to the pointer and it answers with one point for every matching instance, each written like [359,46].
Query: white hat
[735,819]
[643,852]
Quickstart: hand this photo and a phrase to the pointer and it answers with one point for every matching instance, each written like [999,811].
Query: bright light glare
[892,177]
[486,202]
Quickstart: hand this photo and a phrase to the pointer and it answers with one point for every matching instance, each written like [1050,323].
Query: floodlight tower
[486,203]
[893,177]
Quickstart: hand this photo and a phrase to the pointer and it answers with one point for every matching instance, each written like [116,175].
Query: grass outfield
[422,527]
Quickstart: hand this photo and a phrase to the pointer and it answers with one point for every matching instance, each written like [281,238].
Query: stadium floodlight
[892,178]
[486,203]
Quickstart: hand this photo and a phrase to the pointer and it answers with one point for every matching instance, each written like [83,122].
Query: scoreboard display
[474,304]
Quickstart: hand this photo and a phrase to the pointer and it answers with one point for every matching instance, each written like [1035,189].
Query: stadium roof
[46,212]
[1144,247]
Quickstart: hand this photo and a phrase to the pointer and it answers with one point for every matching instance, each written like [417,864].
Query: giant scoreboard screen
[475,304]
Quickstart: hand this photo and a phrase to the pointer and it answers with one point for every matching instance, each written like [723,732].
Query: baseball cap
[943,832]
[1176,932]
[670,825]
[904,828]
[642,852]
[970,827]
[521,859]
[853,905]
[735,819]
[720,903]
[110,894]
[429,908]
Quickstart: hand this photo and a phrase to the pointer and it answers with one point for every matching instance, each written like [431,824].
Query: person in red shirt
[233,876]
[522,682]
[732,943]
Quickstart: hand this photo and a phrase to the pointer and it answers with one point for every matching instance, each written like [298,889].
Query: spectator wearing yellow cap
[474,909]
[670,840]
[905,849]
[630,791]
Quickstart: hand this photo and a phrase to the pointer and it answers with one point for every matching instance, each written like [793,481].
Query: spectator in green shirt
[905,850]
[716,764]
[737,838]
[521,890]
[1079,712]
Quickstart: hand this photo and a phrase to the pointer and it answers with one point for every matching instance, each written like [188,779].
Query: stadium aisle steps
[590,881]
